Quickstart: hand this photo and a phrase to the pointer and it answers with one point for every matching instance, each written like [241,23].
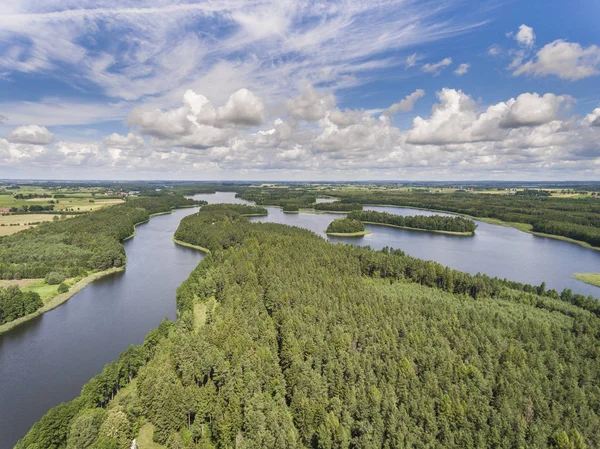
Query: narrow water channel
[46,361]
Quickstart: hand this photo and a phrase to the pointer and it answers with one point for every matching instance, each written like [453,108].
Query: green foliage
[73,247]
[310,344]
[338,206]
[241,209]
[345,226]
[15,303]
[291,208]
[55,278]
[84,428]
[278,196]
[63,288]
[427,222]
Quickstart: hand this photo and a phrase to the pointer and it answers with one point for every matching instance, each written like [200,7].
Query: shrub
[55,278]
[63,288]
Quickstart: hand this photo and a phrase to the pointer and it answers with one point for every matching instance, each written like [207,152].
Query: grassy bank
[189,245]
[588,278]
[60,298]
[349,234]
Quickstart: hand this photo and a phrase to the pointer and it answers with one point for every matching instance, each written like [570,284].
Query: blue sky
[388,89]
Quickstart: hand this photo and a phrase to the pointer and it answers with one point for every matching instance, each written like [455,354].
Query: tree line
[577,218]
[80,244]
[426,222]
[345,226]
[15,303]
[338,206]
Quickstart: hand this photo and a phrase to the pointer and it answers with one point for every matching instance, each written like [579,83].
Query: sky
[300,90]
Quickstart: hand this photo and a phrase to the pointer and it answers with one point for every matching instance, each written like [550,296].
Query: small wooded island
[337,206]
[345,227]
[432,223]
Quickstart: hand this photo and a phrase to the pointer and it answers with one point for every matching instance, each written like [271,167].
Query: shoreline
[349,234]
[523,227]
[588,278]
[189,245]
[455,233]
[61,298]
[79,285]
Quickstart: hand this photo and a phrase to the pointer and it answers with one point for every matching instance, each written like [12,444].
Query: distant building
[4,211]
[134,192]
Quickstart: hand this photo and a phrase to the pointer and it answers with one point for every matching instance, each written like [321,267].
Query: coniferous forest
[425,222]
[285,340]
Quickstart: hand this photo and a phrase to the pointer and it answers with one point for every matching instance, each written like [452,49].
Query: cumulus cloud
[406,104]
[31,134]
[455,118]
[310,105]
[462,69]
[593,119]
[243,108]
[566,60]
[129,142]
[525,36]
[198,124]
[436,68]
[460,136]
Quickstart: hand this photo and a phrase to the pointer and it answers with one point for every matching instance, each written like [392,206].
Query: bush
[63,288]
[55,278]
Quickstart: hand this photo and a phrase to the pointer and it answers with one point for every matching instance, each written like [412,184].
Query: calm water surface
[47,360]
[494,250]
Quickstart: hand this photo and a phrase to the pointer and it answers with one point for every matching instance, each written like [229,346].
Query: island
[431,223]
[588,278]
[344,227]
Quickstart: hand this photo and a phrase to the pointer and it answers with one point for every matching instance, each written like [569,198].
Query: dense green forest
[239,209]
[426,222]
[345,226]
[578,219]
[15,303]
[342,347]
[284,197]
[75,246]
[338,206]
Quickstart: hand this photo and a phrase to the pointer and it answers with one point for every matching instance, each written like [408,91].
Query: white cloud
[436,68]
[310,105]
[455,118]
[156,51]
[494,50]
[566,60]
[525,36]
[593,119]
[243,108]
[128,142]
[462,69]
[411,60]
[406,104]
[533,109]
[31,134]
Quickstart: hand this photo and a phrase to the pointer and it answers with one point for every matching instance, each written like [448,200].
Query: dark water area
[494,250]
[46,361]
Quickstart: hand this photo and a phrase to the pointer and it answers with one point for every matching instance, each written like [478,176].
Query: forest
[345,226]
[578,219]
[342,347]
[425,222]
[15,303]
[338,206]
[239,209]
[75,246]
